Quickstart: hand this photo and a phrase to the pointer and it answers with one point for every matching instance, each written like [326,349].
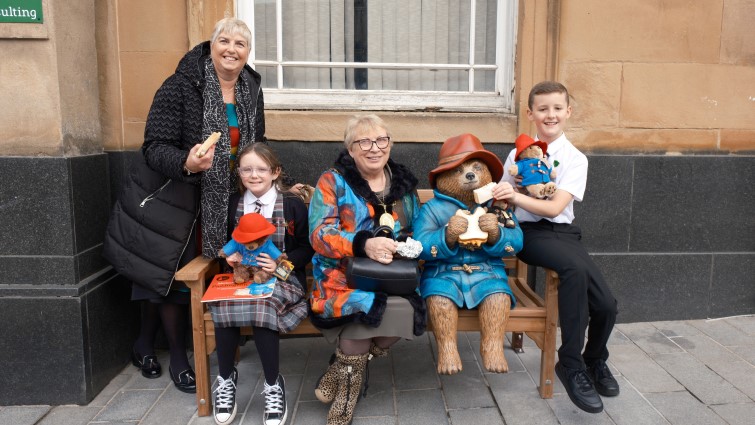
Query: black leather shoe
[186,381]
[148,364]
[580,389]
[602,378]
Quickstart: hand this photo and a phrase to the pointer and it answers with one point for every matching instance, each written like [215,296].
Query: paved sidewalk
[684,372]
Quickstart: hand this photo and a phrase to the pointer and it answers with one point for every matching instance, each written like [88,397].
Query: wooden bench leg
[517,339]
[201,359]
[548,355]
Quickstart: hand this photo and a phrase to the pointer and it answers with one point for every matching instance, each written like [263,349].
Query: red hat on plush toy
[461,148]
[524,141]
[252,227]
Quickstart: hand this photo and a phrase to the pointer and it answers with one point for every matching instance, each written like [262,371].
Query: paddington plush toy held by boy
[250,239]
[531,163]
[464,237]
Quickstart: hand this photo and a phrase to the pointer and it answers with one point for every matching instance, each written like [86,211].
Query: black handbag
[400,277]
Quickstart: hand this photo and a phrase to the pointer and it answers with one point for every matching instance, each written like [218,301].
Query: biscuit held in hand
[484,193]
[207,144]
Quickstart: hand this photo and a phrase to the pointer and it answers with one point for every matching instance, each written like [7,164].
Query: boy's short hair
[546,87]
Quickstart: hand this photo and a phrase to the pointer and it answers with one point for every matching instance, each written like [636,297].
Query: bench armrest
[195,274]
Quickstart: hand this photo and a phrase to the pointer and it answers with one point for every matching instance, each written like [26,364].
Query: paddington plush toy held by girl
[250,239]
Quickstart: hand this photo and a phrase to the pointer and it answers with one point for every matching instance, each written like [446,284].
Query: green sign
[21,11]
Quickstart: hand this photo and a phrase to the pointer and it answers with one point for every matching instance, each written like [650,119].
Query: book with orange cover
[224,288]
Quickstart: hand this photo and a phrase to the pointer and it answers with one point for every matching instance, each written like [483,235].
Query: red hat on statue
[460,148]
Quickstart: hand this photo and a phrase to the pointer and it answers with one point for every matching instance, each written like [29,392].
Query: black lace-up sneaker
[580,389]
[275,403]
[224,408]
[603,379]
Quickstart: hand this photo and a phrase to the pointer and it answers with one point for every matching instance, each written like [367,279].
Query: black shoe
[148,364]
[275,403]
[224,407]
[580,389]
[602,378]
[186,381]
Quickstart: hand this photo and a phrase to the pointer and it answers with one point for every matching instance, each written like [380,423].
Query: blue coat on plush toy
[250,239]
[532,165]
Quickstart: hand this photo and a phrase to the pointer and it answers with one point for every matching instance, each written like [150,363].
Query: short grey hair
[360,123]
[232,26]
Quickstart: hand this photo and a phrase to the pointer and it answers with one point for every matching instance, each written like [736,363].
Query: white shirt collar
[557,144]
[267,199]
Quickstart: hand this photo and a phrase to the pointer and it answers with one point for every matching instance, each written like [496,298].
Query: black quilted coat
[152,223]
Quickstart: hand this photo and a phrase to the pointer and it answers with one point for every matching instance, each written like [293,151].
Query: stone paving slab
[22,415]
[672,372]
[736,414]
[644,373]
[681,408]
[702,382]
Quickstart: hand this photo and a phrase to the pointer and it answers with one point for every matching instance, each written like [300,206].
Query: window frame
[502,100]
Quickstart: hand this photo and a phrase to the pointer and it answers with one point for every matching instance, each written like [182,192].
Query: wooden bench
[533,315]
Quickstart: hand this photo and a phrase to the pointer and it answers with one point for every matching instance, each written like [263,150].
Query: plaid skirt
[281,312]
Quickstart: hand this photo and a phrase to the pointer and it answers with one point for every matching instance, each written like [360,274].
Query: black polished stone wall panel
[693,204]
[43,353]
[658,287]
[37,270]
[90,194]
[604,213]
[733,286]
[35,204]
[108,310]
[66,325]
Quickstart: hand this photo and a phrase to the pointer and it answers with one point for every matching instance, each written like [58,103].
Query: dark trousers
[583,296]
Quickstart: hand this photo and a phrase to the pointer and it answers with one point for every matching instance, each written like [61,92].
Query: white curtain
[399,31]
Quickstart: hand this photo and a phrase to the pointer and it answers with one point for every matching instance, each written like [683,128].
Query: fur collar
[402,179]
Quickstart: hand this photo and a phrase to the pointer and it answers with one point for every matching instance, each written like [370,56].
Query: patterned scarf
[220,180]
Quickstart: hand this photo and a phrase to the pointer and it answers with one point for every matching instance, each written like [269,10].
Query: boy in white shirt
[551,241]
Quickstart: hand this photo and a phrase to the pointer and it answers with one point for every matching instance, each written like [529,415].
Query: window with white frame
[452,55]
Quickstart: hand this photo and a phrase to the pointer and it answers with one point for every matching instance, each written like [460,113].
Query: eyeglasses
[247,171]
[366,144]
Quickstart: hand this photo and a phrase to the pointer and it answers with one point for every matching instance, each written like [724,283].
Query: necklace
[386,218]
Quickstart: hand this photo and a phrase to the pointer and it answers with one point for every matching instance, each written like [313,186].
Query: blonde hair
[360,123]
[232,26]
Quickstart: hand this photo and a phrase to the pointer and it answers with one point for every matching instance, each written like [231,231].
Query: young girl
[259,174]
[552,241]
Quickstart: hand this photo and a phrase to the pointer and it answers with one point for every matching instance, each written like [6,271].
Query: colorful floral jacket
[341,219]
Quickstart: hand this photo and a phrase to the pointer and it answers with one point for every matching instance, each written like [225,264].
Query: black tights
[267,342]
[174,319]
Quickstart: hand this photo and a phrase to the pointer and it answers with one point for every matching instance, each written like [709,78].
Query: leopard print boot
[350,371]
[377,351]
[328,382]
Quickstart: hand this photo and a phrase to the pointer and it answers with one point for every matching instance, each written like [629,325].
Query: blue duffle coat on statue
[488,274]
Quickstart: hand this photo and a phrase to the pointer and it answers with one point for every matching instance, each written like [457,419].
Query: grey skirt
[282,311]
[398,320]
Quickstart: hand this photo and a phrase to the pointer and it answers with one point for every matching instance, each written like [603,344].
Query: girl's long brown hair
[268,155]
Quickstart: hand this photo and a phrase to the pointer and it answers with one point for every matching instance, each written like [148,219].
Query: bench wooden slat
[535,316]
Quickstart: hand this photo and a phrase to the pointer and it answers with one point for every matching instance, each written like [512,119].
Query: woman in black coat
[212,90]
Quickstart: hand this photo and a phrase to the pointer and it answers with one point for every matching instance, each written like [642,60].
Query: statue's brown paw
[449,361]
[493,358]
